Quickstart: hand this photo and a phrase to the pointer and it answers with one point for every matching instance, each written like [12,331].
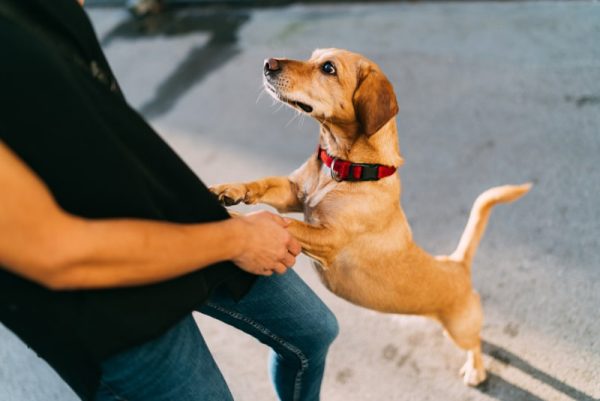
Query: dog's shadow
[500,389]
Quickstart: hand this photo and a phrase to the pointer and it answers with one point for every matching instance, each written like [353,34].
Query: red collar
[344,170]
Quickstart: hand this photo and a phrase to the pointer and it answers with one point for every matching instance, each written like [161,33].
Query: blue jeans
[279,311]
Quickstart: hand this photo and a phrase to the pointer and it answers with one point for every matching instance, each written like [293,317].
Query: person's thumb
[278,219]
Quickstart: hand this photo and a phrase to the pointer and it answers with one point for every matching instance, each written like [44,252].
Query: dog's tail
[479,216]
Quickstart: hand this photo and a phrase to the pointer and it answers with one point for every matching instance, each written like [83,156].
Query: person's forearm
[113,253]
[42,242]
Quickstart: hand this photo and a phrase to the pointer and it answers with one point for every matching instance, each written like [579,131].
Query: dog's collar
[344,170]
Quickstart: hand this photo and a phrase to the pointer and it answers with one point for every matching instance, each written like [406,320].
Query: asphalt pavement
[489,93]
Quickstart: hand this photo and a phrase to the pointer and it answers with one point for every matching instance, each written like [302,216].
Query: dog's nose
[272,66]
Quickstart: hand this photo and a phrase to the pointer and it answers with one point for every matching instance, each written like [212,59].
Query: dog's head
[334,86]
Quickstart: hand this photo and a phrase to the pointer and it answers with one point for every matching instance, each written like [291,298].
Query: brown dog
[354,227]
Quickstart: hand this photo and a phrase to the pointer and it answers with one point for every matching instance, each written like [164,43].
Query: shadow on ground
[502,390]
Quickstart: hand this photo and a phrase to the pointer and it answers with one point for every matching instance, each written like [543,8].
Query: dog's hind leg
[463,324]
[473,371]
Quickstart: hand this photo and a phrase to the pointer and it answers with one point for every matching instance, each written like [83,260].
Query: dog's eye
[328,68]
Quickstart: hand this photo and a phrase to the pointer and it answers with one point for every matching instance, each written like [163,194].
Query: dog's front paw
[232,194]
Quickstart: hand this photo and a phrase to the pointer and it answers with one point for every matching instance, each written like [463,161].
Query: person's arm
[40,241]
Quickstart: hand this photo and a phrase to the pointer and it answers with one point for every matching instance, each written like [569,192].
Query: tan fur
[357,233]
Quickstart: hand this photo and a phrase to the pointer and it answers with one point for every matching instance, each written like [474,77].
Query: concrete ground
[490,93]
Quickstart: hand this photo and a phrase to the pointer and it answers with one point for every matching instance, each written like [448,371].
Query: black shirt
[99,159]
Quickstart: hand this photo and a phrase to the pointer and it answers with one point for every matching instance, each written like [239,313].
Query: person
[142,8]
[108,241]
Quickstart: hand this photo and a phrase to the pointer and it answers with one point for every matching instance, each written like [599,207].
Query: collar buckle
[334,174]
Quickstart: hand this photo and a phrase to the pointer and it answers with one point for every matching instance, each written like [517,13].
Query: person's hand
[265,246]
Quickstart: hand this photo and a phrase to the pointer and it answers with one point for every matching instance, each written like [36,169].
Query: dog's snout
[272,66]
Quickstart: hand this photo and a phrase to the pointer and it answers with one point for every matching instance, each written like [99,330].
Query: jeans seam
[290,347]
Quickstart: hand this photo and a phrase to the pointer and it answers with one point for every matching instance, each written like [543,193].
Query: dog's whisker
[302,121]
[289,121]
[292,119]
[261,94]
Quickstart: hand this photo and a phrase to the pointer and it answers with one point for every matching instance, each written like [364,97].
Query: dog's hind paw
[472,375]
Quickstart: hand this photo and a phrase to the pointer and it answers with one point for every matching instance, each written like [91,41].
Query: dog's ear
[374,100]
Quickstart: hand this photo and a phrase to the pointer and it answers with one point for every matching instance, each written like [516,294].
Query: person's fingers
[280,268]
[294,247]
[289,260]
[266,272]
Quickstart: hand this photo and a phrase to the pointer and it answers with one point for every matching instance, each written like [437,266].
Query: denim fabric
[280,311]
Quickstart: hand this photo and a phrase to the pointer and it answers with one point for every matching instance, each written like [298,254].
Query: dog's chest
[316,188]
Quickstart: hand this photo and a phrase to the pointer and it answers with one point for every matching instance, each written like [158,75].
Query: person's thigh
[175,366]
[284,313]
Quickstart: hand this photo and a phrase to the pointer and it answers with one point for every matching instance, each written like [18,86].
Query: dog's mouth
[307,108]
[303,106]
[294,103]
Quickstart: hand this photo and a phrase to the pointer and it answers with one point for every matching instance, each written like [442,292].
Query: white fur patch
[322,188]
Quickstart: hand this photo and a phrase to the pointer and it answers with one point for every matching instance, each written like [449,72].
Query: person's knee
[324,332]
[331,328]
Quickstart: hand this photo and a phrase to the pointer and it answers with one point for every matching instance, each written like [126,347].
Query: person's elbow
[47,257]
[60,261]
[53,270]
